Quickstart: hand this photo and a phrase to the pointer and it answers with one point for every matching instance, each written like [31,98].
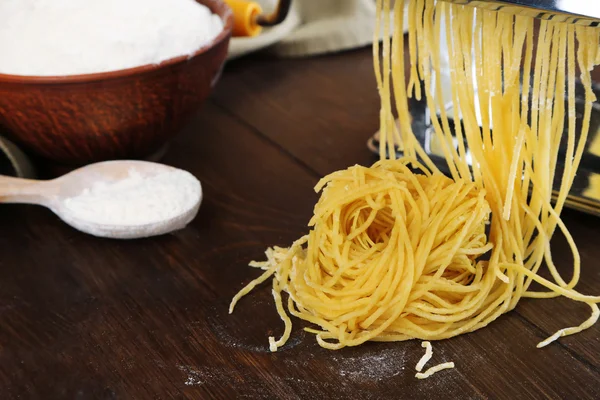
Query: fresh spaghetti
[398,250]
[433,370]
[426,357]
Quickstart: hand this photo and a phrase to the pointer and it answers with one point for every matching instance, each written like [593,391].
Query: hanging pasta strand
[399,251]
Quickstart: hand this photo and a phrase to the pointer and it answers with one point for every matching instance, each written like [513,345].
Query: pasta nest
[392,255]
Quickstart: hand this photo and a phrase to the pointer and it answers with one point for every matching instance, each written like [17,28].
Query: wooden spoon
[58,195]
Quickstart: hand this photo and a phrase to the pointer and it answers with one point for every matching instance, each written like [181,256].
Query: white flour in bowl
[71,37]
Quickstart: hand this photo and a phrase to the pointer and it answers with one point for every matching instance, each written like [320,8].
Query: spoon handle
[17,190]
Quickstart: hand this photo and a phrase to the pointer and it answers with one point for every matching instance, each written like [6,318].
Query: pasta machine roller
[586,12]
[585,193]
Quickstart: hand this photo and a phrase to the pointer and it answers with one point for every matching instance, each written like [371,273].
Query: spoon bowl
[114,199]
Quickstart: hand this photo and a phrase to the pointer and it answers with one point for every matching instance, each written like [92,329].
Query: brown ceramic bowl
[131,113]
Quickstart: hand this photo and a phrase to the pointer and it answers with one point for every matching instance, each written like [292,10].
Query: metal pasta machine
[585,193]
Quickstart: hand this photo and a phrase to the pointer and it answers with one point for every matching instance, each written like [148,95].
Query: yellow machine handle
[245,16]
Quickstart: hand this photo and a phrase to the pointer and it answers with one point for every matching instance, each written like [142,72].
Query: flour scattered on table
[209,376]
[383,365]
[194,377]
[371,367]
[137,199]
[191,381]
[70,37]
[236,333]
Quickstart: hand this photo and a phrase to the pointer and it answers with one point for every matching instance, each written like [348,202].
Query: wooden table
[82,317]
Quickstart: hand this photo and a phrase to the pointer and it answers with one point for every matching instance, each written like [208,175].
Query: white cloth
[329,26]
[313,27]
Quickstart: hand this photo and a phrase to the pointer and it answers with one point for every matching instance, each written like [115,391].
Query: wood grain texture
[85,318]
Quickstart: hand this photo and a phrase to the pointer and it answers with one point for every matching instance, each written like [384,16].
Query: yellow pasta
[434,369]
[398,250]
[426,357]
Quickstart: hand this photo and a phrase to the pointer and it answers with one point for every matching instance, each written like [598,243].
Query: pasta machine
[585,192]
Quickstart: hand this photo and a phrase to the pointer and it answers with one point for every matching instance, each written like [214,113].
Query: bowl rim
[226,16]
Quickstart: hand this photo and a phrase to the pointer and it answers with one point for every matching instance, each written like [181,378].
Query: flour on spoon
[137,199]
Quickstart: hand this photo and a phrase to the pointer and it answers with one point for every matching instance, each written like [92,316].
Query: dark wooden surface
[83,318]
